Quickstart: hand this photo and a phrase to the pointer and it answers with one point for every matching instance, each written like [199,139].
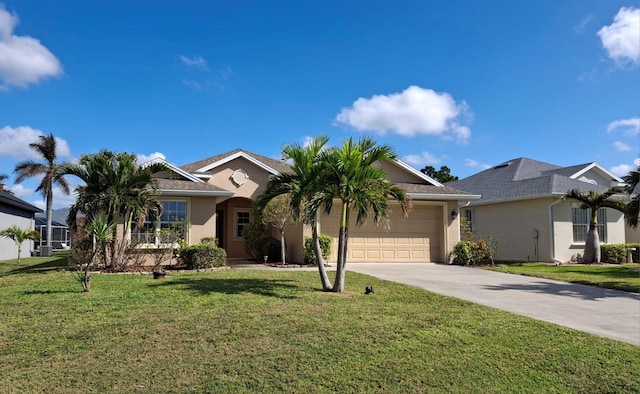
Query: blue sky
[466,84]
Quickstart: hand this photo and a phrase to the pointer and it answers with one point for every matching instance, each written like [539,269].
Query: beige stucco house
[14,211]
[216,195]
[523,209]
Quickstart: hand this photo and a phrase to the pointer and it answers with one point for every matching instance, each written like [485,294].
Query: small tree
[19,235]
[278,213]
[443,175]
[101,229]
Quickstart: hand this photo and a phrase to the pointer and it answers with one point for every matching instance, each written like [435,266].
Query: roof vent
[502,165]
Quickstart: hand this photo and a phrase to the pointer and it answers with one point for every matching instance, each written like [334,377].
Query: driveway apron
[604,312]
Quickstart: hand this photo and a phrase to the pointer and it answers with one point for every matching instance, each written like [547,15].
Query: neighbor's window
[580,219]
[243,217]
[171,225]
[468,217]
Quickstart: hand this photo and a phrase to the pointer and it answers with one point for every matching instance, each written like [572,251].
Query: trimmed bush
[469,252]
[258,243]
[209,241]
[203,256]
[326,243]
[613,253]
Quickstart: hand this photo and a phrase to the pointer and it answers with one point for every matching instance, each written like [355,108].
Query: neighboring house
[59,229]
[14,211]
[523,209]
[215,195]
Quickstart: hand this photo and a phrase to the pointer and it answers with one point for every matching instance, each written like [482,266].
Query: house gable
[401,172]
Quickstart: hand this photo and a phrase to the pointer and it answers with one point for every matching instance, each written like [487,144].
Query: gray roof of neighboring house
[277,165]
[8,198]
[524,178]
[58,215]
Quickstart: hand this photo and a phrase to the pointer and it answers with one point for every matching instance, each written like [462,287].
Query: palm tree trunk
[592,246]
[338,285]
[19,251]
[49,216]
[324,278]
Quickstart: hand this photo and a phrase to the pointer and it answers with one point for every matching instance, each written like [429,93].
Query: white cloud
[476,164]
[582,25]
[624,169]
[621,39]
[423,159]
[195,61]
[23,60]
[141,159]
[622,147]
[630,126]
[20,191]
[14,142]
[414,111]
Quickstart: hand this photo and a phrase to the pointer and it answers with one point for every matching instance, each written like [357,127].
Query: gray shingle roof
[8,198]
[178,184]
[523,178]
[277,165]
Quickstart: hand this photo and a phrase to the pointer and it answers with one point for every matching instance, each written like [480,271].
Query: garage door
[413,239]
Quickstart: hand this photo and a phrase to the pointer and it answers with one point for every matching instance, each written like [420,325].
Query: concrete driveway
[608,313]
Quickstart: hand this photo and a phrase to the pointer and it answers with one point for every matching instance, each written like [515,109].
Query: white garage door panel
[416,238]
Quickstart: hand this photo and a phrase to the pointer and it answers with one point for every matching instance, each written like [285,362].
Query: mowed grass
[620,277]
[275,331]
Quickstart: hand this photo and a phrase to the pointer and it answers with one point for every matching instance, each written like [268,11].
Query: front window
[171,226]
[580,220]
[243,217]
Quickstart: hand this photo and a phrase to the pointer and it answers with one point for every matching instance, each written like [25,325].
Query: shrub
[310,252]
[209,241]
[613,253]
[258,242]
[469,252]
[203,256]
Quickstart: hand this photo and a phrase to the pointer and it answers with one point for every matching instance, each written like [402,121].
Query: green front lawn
[621,277]
[275,331]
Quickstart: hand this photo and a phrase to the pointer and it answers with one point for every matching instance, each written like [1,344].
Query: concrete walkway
[608,313]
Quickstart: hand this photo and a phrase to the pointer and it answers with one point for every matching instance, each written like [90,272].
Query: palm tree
[114,185]
[351,176]
[3,177]
[632,210]
[300,184]
[46,147]
[594,201]
[19,235]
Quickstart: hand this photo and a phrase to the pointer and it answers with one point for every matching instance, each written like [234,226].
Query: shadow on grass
[584,292]
[48,265]
[265,287]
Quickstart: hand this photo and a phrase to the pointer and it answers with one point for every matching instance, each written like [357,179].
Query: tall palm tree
[114,185]
[3,177]
[632,210]
[594,201]
[301,184]
[46,147]
[19,235]
[349,174]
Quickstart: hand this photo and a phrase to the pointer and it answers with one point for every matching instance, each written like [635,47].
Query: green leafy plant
[614,253]
[18,235]
[203,256]
[326,243]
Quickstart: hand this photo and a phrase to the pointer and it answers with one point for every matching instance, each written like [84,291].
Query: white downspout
[551,232]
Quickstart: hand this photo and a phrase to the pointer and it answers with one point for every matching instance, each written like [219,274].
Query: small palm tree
[300,184]
[594,201]
[632,210]
[19,235]
[46,147]
[350,175]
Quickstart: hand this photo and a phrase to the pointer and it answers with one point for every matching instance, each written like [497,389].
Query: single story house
[215,195]
[14,211]
[522,207]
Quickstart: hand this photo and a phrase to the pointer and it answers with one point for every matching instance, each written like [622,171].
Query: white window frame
[580,224]
[159,221]
[237,231]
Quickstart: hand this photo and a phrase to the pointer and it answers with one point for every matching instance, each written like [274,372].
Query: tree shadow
[265,287]
[38,268]
[584,292]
